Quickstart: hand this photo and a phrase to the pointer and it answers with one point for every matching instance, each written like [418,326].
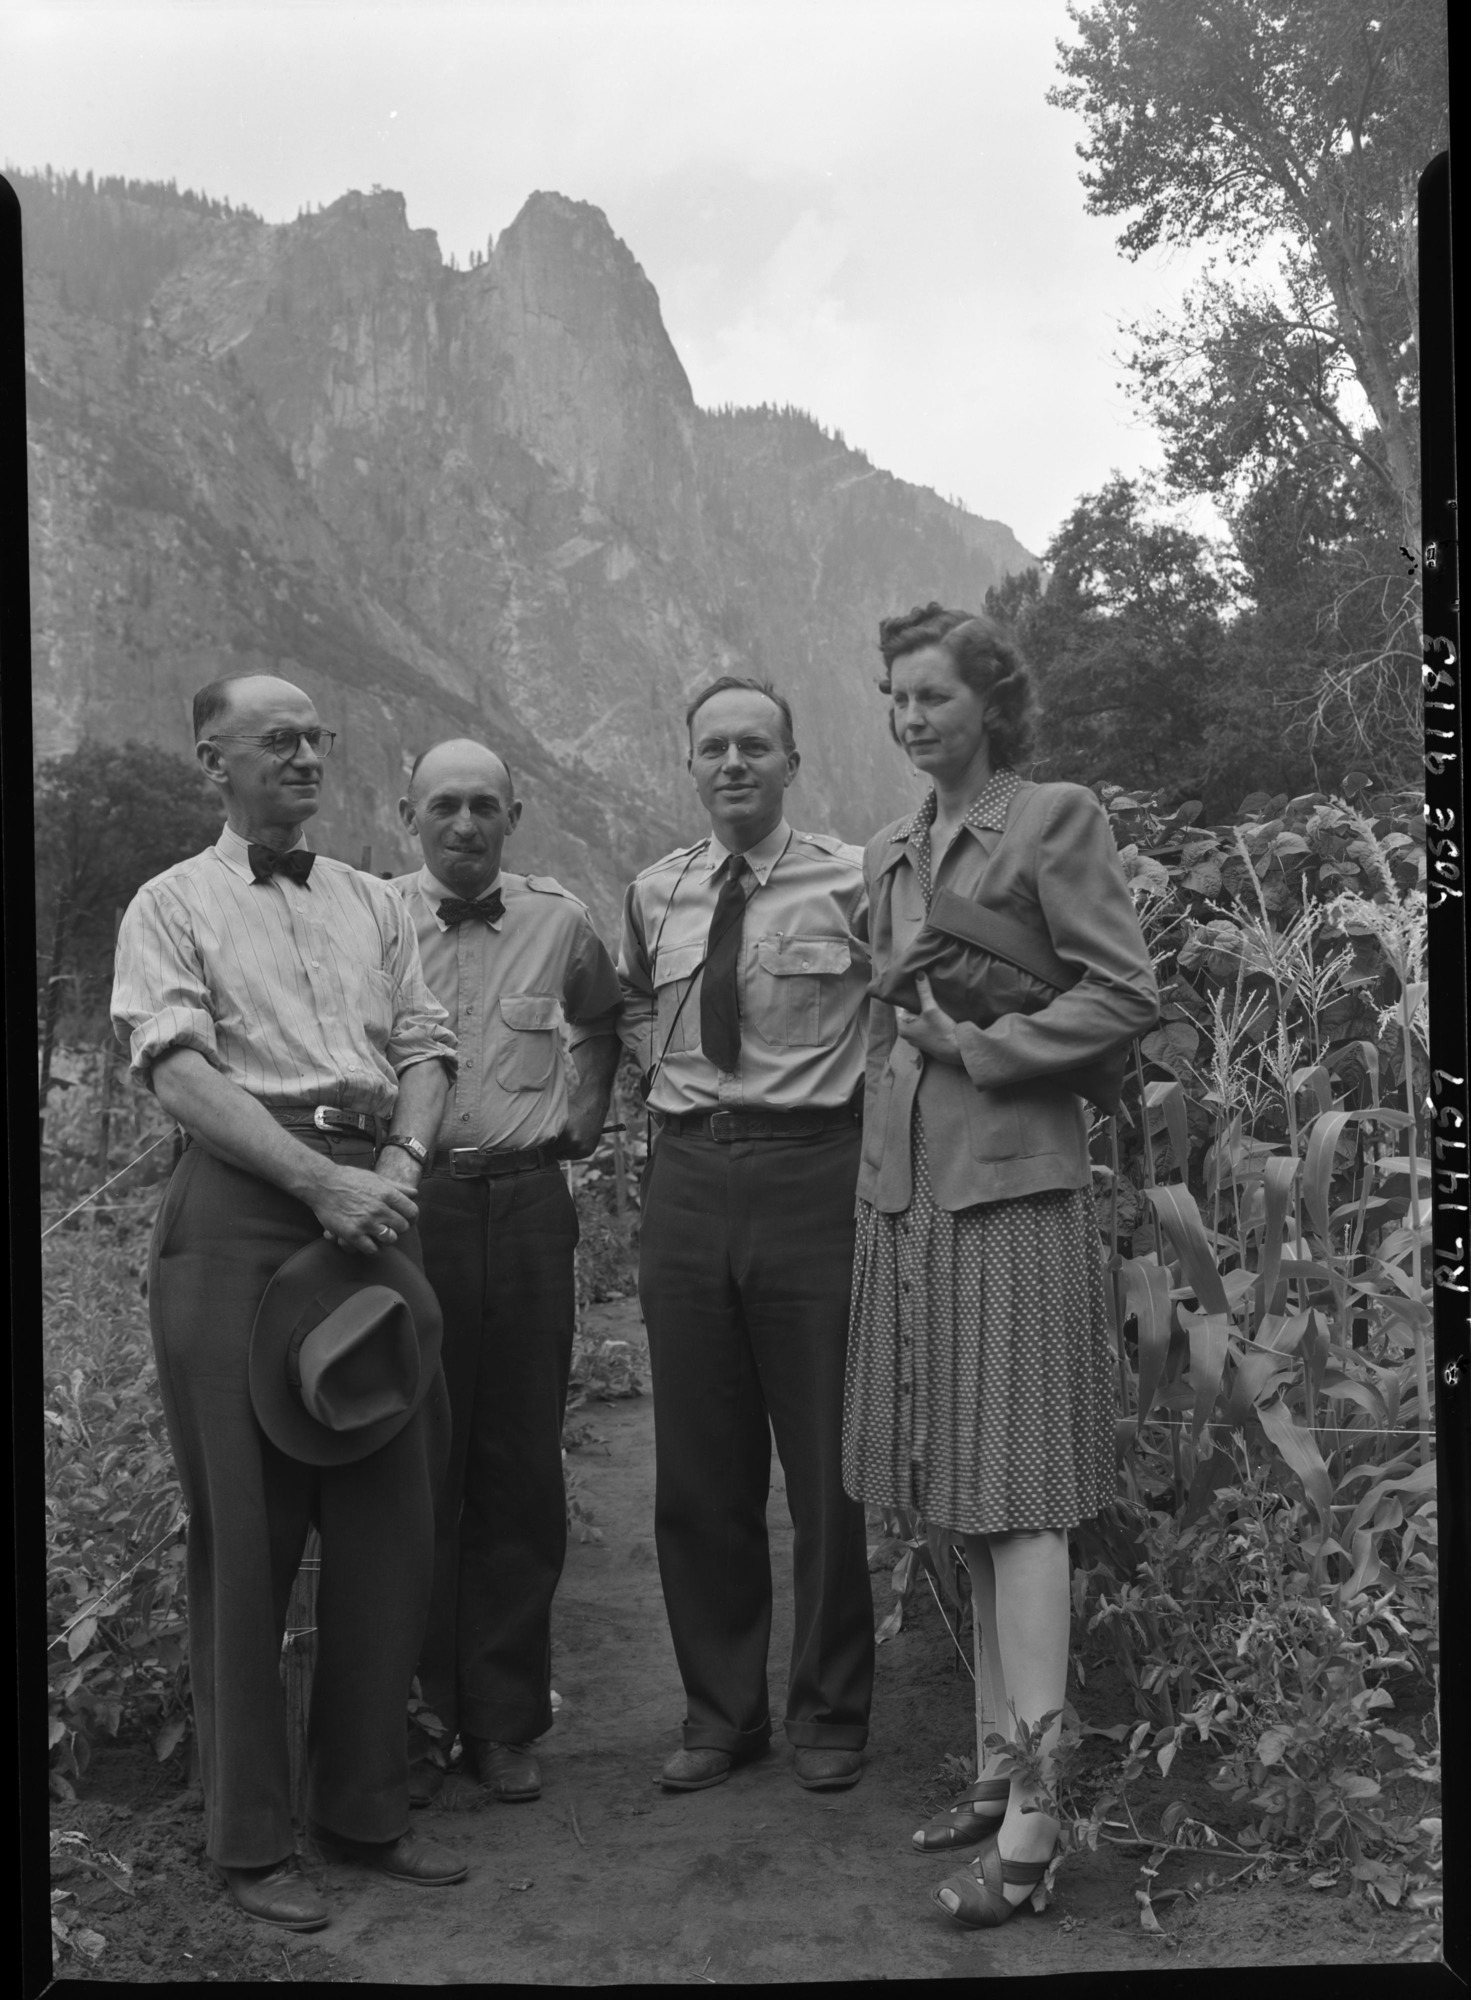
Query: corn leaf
[1299,1449]
[1315,1079]
[1209,1336]
[1182,1222]
[1171,1097]
[1325,1132]
[1147,1297]
[1367,1566]
[1338,1386]
[1258,1371]
[1278,1175]
[1210,1475]
[1281,1332]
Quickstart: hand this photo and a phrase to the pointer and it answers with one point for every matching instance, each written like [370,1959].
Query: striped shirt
[801,977]
[508,987]
[300,993]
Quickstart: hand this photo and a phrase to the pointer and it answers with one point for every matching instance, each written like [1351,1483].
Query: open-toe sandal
[981,1809]
[980,1888]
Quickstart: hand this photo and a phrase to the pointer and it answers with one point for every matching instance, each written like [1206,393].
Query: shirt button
[469,1063]
[464,1117]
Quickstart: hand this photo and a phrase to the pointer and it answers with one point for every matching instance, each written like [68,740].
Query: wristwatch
[412,1147]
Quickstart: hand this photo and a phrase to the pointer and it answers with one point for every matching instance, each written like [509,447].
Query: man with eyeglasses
[274,1001]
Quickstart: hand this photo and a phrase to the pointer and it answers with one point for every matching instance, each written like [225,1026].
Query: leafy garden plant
[1266,1578]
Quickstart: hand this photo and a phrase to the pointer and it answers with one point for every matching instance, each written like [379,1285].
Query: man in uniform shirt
[274,1002]
[508,956]
[744,963]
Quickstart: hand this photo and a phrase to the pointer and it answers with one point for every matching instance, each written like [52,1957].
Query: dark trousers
[499,1255]
[744,1274]
[220,1236]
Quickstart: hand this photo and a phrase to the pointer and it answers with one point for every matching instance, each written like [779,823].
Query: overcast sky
[867,208]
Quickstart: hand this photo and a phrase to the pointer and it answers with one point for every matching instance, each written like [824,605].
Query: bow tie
[268,861]
[454,910]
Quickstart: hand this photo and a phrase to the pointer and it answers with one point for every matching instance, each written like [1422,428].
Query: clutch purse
[982,964]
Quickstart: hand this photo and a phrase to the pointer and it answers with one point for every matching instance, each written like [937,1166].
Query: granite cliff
[444,501]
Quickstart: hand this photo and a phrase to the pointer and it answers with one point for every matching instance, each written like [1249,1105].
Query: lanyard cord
[658,1062]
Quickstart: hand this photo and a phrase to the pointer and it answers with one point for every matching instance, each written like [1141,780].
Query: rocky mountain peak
[446,503]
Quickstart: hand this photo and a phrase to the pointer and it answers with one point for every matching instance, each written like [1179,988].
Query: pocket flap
[786,956]
[529,1010]
[677,961]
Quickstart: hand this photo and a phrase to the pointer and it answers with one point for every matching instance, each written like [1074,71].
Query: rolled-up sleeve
[591,995]
[1091,919]
[421,1030]
[636,1022]
[160,1000]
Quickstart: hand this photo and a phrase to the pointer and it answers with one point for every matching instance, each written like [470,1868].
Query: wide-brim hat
[343,1351]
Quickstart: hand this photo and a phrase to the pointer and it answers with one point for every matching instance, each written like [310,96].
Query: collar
[434,893]
[235,852]
[760,859]
[987,814]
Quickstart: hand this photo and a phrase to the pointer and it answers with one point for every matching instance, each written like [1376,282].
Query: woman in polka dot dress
[980,1378]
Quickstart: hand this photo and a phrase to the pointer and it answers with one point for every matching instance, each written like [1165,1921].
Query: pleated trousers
[220,1236]
[745,1269]
[499,1256]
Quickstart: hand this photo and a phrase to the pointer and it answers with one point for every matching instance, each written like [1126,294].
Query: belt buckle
[722,1126]
[323,1117]
[462,1161]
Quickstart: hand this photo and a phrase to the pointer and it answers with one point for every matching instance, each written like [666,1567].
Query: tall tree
[1294,137]
[1137,662]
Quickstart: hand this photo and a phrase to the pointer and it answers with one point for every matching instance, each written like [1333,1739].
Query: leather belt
[326,1118]
[727,1126]
[471,1163]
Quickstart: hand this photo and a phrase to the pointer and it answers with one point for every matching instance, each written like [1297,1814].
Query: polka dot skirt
[980,1378]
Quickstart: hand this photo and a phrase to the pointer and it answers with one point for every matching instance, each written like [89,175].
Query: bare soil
[607,1879]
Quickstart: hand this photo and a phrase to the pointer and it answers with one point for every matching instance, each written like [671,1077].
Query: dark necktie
[490,909]
[268,861]
[720,1014]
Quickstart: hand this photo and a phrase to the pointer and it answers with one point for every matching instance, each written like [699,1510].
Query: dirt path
[754,1880]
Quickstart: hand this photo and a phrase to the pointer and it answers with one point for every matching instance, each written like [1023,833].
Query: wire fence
[77,1207]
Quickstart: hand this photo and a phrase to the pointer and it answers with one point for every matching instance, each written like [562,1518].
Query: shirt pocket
[528,1052]
[677,1015]
[797,991]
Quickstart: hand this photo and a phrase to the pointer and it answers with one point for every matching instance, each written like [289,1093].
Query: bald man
[273,1001]
[510,957]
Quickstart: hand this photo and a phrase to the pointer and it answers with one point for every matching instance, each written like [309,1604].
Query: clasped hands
[931,1030]
[365,1209]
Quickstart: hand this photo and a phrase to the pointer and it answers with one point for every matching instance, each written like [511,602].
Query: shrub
[1266,1578]
[116,1641]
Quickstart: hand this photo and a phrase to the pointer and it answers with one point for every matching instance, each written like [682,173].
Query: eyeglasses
[282,744]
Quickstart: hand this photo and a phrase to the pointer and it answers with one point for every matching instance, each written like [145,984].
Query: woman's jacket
[998,1128]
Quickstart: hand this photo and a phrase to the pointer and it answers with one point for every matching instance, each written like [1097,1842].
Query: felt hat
[343,1351]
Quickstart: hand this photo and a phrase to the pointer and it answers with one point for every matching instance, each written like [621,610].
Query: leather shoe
[695,1770]
[423,1863]
[828,1770]
[507,1770]
[426,1781]
[279,1895]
